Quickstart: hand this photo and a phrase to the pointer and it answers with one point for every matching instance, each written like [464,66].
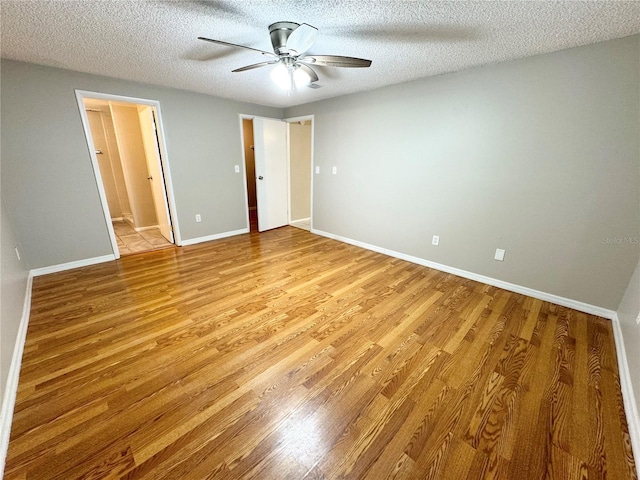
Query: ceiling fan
[292,66]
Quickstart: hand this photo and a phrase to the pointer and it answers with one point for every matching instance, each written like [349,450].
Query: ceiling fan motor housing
[279,33]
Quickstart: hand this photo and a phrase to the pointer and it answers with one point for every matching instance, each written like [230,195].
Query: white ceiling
[155,41]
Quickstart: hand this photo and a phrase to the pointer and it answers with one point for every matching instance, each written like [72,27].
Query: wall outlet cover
[198,217]
[317,169]
[435,240]
[334,170]
[237,168]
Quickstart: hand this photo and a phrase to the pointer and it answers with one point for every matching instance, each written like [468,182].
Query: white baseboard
[300,220]
[217,236]
[512,287]
[36,272]
[11,387]
[144,229]
[117,219]
[628,397]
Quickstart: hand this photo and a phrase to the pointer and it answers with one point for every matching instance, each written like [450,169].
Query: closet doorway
[300,166]
[125,141]
[284,165]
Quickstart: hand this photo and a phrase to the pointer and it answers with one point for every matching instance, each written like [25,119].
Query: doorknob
[260,177]
[149,177]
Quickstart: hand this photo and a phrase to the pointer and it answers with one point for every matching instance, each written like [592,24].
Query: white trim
[144,229]
[628,397]
[96,172]
[36,272]
[11,387]
[288,140]
[512,287]
[217,236]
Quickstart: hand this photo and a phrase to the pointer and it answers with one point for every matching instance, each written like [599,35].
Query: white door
[154,166]
[270,141]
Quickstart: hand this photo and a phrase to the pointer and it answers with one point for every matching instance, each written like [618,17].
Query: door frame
[242,117]
[302,118]
[164,161]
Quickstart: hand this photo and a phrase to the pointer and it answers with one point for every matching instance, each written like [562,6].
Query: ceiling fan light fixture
[292,68]
[288,77]
[281,76]
[301,78]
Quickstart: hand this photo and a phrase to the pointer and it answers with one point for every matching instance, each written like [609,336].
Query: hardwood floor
[285,355]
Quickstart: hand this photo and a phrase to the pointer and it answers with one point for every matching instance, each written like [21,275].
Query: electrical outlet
[317,169]
[18,253]
[499,254]
[334,170]
[237,168]
[198,218]
[435,240]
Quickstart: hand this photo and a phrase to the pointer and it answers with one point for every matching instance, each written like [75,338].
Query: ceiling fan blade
[301,39]
[313,76]
[335,61]
[255,65]
[237,46]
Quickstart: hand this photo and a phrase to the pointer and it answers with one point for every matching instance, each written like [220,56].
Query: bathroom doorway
[125,140]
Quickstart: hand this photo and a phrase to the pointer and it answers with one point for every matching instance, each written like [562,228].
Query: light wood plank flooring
[285,355]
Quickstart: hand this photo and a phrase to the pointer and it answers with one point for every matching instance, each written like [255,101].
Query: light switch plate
[499,254]
[317,169]
[435,240]
[334,170]
[237,167]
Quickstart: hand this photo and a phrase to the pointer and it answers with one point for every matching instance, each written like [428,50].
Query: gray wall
[538,156]
[47,178]
[13,284]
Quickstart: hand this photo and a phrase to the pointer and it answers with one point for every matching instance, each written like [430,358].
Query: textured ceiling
[155,41]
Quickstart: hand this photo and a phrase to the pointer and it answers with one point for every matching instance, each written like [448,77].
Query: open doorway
[300,153]
[126,146]
[278,171]
[250,172]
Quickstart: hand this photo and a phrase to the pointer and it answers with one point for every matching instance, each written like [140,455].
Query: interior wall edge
[11,386]
[626,386]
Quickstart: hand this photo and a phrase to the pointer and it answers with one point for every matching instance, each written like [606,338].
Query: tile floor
[130,241]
